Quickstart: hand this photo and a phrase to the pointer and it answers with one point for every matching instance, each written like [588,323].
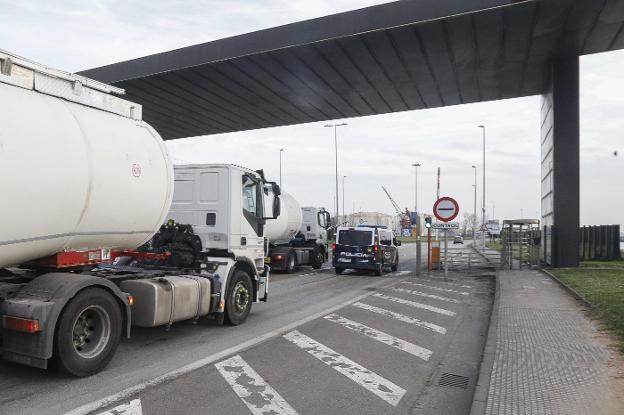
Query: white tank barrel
[287,224]
[74,177]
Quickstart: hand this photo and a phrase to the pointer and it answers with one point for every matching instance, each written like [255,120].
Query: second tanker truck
[98,232]
[298,236]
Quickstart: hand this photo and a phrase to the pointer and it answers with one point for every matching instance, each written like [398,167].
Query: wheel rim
[240,298]
[291,262]
[91,331]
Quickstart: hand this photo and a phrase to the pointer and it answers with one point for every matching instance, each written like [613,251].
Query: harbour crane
[404,217]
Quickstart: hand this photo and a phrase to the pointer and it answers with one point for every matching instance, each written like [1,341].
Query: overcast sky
[373,151]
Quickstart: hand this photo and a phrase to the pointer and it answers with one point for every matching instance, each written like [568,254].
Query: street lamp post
[335,126]
[280,176]
[483,190]
[418,261]
[344,216]
[474,223]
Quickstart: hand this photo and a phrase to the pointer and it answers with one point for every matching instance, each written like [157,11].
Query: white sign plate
[445,225]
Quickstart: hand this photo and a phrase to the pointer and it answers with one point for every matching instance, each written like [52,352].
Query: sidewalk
[543,356]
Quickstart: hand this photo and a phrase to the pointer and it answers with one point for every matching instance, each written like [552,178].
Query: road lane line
[422,294]
[131,408]
[376,384]
[380,336]
[415,304]
[132,390]
[258,395]
[401,317]
[442,281]
[446,290]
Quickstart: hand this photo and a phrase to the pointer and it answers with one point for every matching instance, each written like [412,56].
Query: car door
[387,249]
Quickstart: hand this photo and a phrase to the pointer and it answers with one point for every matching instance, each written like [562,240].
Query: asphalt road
[324,344]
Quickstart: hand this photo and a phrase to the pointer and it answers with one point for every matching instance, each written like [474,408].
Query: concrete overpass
[399,56]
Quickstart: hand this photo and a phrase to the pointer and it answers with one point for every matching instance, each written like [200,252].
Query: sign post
[446,209]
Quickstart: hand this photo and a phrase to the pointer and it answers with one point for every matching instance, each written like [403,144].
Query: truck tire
[318,257]
[239,298]
[88,333]
[290,263]
[379,270]
[396,264]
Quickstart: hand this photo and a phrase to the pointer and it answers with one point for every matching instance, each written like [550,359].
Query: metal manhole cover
[456,381]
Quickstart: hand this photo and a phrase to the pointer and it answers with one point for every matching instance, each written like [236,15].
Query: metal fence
[599,242]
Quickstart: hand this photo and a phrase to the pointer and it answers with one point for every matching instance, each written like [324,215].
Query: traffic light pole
[418,254]
[429,249]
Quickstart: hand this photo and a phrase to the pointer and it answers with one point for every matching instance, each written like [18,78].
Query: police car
[365,247]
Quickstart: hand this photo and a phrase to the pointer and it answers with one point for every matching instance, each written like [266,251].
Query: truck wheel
[318,257]
[396,264]
[290,263]
[88,333]
[239,298]
[379,270]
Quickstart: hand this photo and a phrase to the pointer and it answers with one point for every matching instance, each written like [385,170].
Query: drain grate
[456,381]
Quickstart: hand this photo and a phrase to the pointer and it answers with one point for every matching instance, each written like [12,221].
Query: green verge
[604,289]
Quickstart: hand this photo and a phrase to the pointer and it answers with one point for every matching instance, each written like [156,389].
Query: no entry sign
[446,209]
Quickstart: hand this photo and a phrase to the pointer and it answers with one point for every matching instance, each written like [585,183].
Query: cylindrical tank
[74,177]
[287,224]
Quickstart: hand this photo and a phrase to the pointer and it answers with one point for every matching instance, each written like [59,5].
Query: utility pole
[344,217]
[474,223]
[281,151]
[483,189]
[335,126]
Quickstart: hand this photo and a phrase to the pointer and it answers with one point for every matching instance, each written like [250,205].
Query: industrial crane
[404,217]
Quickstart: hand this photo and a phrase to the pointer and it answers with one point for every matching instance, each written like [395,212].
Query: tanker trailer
[298,236]
[87,247]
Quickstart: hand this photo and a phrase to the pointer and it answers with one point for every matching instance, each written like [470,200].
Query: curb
[482,388]
[569,289]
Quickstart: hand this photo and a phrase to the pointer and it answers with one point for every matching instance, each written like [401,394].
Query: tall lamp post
[418,261]
[474,224]
[483,190]
[335,127]
[281,151]
[344,216]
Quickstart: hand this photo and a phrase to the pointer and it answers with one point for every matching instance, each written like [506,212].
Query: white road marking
[258,395]
[132,390]
[401,317]
[376,384]
[131,408]
[415,304]
[422,294]
[385,338]
[399,273]
[442,281]
[446,290]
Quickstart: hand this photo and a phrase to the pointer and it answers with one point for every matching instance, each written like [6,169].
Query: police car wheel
[339,271]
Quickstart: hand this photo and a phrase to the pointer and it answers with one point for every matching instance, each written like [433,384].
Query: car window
[353,237]
[385,238]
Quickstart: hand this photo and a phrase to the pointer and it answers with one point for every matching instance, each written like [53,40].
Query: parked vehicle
[298,236]
[100,233]
[458,240]
[365,247]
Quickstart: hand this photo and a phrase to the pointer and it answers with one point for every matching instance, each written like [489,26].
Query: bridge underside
[399,56]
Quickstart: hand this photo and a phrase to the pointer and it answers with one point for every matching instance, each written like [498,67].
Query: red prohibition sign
[446,209]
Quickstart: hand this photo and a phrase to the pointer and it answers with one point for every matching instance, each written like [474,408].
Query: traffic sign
[446,209]
[445,225]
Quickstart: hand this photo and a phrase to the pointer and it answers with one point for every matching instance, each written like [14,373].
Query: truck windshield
[353,237]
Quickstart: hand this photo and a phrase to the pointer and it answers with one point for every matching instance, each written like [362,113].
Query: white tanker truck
[97,232]
[298,236]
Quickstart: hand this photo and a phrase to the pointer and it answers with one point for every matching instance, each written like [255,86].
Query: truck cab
[365,247]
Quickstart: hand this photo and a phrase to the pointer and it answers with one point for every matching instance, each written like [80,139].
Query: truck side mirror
[327,219]
[277,206]
[276,190]
[397,242]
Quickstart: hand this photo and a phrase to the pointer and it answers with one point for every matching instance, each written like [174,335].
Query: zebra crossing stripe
[401,317]
[422,294]
[380,336]
[446,290]
[131,408]
[259,397]
[415,304]
[371,381]
[441,281]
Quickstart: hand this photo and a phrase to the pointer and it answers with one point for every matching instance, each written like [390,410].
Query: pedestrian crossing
[378,323]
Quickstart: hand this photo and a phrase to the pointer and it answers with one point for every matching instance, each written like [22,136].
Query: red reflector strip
[20,324]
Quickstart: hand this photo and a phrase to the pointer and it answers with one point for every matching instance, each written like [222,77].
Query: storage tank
[287,224]
[76,177]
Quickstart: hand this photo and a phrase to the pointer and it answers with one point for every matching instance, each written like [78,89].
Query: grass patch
[604,289]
